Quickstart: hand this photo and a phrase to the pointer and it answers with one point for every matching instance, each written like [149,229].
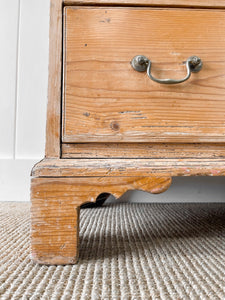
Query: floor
[127,251]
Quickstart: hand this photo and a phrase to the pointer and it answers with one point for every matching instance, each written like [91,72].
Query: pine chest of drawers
[136,96]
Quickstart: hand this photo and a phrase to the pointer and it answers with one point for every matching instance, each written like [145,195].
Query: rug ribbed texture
[127,251]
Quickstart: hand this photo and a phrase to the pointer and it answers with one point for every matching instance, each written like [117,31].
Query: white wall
[24,27]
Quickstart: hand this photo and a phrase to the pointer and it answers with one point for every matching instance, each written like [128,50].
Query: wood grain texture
[52,148]
[54,224]
[55,211]
[129,167]
[143,150]
[159,3]
[105,100]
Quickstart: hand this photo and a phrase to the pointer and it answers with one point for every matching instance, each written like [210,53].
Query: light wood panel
[55,211]
[143,150]
[105,100]
[176,3]
[129,167]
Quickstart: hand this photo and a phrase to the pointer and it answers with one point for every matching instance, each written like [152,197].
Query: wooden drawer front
[105,100]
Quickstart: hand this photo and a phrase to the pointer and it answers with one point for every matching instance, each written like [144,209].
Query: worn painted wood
[159,3]
[52,148]
[143,150]
[130,167]
[55,211]
[105,100]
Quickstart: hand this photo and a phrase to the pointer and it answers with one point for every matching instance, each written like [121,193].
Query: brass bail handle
[141,63]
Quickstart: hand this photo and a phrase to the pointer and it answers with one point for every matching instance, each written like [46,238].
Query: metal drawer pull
[141,64]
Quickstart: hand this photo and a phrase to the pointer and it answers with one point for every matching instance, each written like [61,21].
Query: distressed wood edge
[142,150]
[52,147]
[143,137]
[129,167]
[96,185]
[151,3]
[56,260]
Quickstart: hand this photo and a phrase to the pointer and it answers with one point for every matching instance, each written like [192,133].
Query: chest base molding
[129,167]
[60,186]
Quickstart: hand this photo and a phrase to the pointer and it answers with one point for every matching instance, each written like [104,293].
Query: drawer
[106,100]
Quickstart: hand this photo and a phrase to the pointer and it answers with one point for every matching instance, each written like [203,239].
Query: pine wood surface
[129,167]
[143,150]
[52,147]
[112,112]
[105,100]
[55,211]
[166,3]
[54,224]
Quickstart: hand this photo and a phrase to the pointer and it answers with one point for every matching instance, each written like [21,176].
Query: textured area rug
[127,251]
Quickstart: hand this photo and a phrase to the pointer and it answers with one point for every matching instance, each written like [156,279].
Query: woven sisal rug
[128,251]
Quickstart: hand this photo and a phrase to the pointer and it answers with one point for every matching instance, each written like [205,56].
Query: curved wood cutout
[154,185]
[55,210]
